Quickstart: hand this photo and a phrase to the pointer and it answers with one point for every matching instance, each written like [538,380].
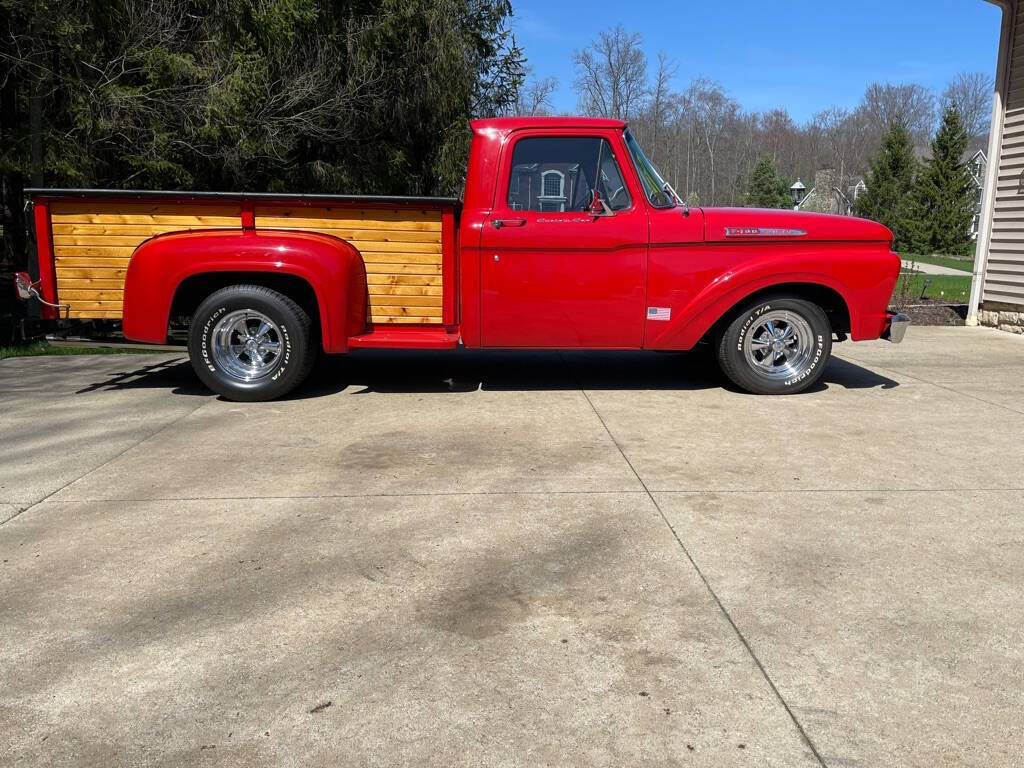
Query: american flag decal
[659,313]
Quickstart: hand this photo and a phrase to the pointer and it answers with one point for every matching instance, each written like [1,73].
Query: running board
[405,338]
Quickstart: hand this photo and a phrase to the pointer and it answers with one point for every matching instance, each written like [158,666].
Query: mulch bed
[926,312]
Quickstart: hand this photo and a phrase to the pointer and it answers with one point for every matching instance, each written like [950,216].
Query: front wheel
[776,346]
[250,343]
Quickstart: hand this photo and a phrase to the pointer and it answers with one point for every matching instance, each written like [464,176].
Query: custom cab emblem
[763,232]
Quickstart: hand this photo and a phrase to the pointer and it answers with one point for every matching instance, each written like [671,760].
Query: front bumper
[897,327]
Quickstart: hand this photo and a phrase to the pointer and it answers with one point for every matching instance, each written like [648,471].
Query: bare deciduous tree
[847,135]
[534,98]
[909,104]
[611,74]
[971,94]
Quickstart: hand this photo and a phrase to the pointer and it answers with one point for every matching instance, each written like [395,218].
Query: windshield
[654,185]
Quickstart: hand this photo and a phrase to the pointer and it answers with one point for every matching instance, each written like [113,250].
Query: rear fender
[332,267]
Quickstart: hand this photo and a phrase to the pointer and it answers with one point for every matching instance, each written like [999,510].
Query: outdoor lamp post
[797,190]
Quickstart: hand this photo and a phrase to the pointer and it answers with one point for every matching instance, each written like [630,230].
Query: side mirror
[599,207]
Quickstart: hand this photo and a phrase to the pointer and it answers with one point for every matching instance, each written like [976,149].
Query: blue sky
[796,54]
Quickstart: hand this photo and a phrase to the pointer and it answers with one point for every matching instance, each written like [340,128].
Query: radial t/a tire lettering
[775,346]
[250,343]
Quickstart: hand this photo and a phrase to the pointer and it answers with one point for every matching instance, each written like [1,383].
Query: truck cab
[566,236]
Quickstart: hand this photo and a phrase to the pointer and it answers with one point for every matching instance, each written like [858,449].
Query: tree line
[374,96]
[715,152]
[357,96]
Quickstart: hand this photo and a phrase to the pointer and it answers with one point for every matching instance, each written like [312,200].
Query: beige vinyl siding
[1004,275]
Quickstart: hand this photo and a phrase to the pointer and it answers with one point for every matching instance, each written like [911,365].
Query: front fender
[864,280]
[332,267]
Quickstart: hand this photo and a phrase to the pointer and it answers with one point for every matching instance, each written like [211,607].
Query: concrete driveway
[517,559]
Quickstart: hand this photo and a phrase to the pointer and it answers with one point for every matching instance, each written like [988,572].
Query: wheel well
[194,289]
[828,299]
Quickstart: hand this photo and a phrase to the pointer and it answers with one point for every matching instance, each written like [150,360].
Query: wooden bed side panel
[401,248]
[93,242]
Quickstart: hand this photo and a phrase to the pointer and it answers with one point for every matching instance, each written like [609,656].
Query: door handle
[499,223]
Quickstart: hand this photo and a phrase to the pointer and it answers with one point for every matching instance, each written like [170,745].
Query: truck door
[553,272]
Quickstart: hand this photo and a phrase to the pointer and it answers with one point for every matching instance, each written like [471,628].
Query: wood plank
[91,294]
[340,212]
[121,230]
[101,273]
[394,279]
[417,320]
[92,261]
[104,240]
[137,212]
[374,257]
[327,226]
[404,290]
[407,311]
[178,220]
[407,269]
[80,251]
[403,301]
[80,306]
[71,284]
[94,314]
[385,234]
[380,246]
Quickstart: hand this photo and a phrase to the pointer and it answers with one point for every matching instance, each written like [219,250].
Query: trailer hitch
[26,289]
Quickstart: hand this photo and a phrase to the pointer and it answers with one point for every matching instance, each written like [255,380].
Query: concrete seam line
[930,383]
[98,467]
[707,585]
[447,494]
[313,496]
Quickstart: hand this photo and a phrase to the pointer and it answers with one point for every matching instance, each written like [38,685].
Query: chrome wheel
[779,345]
[247,345]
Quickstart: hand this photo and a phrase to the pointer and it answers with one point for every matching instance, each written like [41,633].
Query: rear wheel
[776,346]
[247,342]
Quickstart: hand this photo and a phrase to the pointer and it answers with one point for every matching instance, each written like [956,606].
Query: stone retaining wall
[1005,317]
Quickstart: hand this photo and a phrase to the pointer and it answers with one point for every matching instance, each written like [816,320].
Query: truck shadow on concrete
[403,371]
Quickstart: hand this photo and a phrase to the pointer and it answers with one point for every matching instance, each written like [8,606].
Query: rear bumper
[896,327]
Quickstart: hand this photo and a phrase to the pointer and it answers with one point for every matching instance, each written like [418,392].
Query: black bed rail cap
[158,194]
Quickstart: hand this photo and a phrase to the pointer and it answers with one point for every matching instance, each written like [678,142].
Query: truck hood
[760,224]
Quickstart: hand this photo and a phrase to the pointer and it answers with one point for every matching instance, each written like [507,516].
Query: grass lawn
[40,347]
[965,264]
[951,288]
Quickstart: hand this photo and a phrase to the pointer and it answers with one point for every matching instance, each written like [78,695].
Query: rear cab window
[560,173]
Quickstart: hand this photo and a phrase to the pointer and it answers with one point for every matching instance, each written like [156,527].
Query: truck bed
[87,238]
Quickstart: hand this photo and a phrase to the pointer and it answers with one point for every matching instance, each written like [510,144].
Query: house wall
[999,268]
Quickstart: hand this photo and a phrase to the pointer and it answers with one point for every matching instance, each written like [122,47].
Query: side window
[560,174]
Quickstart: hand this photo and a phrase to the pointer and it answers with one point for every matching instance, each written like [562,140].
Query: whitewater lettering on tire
[204,342]
[813,364]
[746,326]
[287,343]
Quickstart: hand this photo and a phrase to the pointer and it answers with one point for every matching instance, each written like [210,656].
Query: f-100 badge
[763,232]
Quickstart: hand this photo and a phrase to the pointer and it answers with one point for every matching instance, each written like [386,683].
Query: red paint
[332,267]
[406,337]
[47,270]
[560,279]
[449,285]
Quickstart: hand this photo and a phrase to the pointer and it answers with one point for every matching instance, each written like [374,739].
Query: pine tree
[889,198]
[765,188]
[945,191]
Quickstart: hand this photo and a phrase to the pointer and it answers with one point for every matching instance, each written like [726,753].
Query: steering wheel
[615,194]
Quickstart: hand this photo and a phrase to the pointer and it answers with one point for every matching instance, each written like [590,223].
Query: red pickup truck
[566,237]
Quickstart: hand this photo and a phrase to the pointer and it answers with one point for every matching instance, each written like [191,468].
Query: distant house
[978,164]
[826,196]
[542,186]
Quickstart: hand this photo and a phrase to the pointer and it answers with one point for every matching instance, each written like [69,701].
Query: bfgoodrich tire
[776,346]
[250,343]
